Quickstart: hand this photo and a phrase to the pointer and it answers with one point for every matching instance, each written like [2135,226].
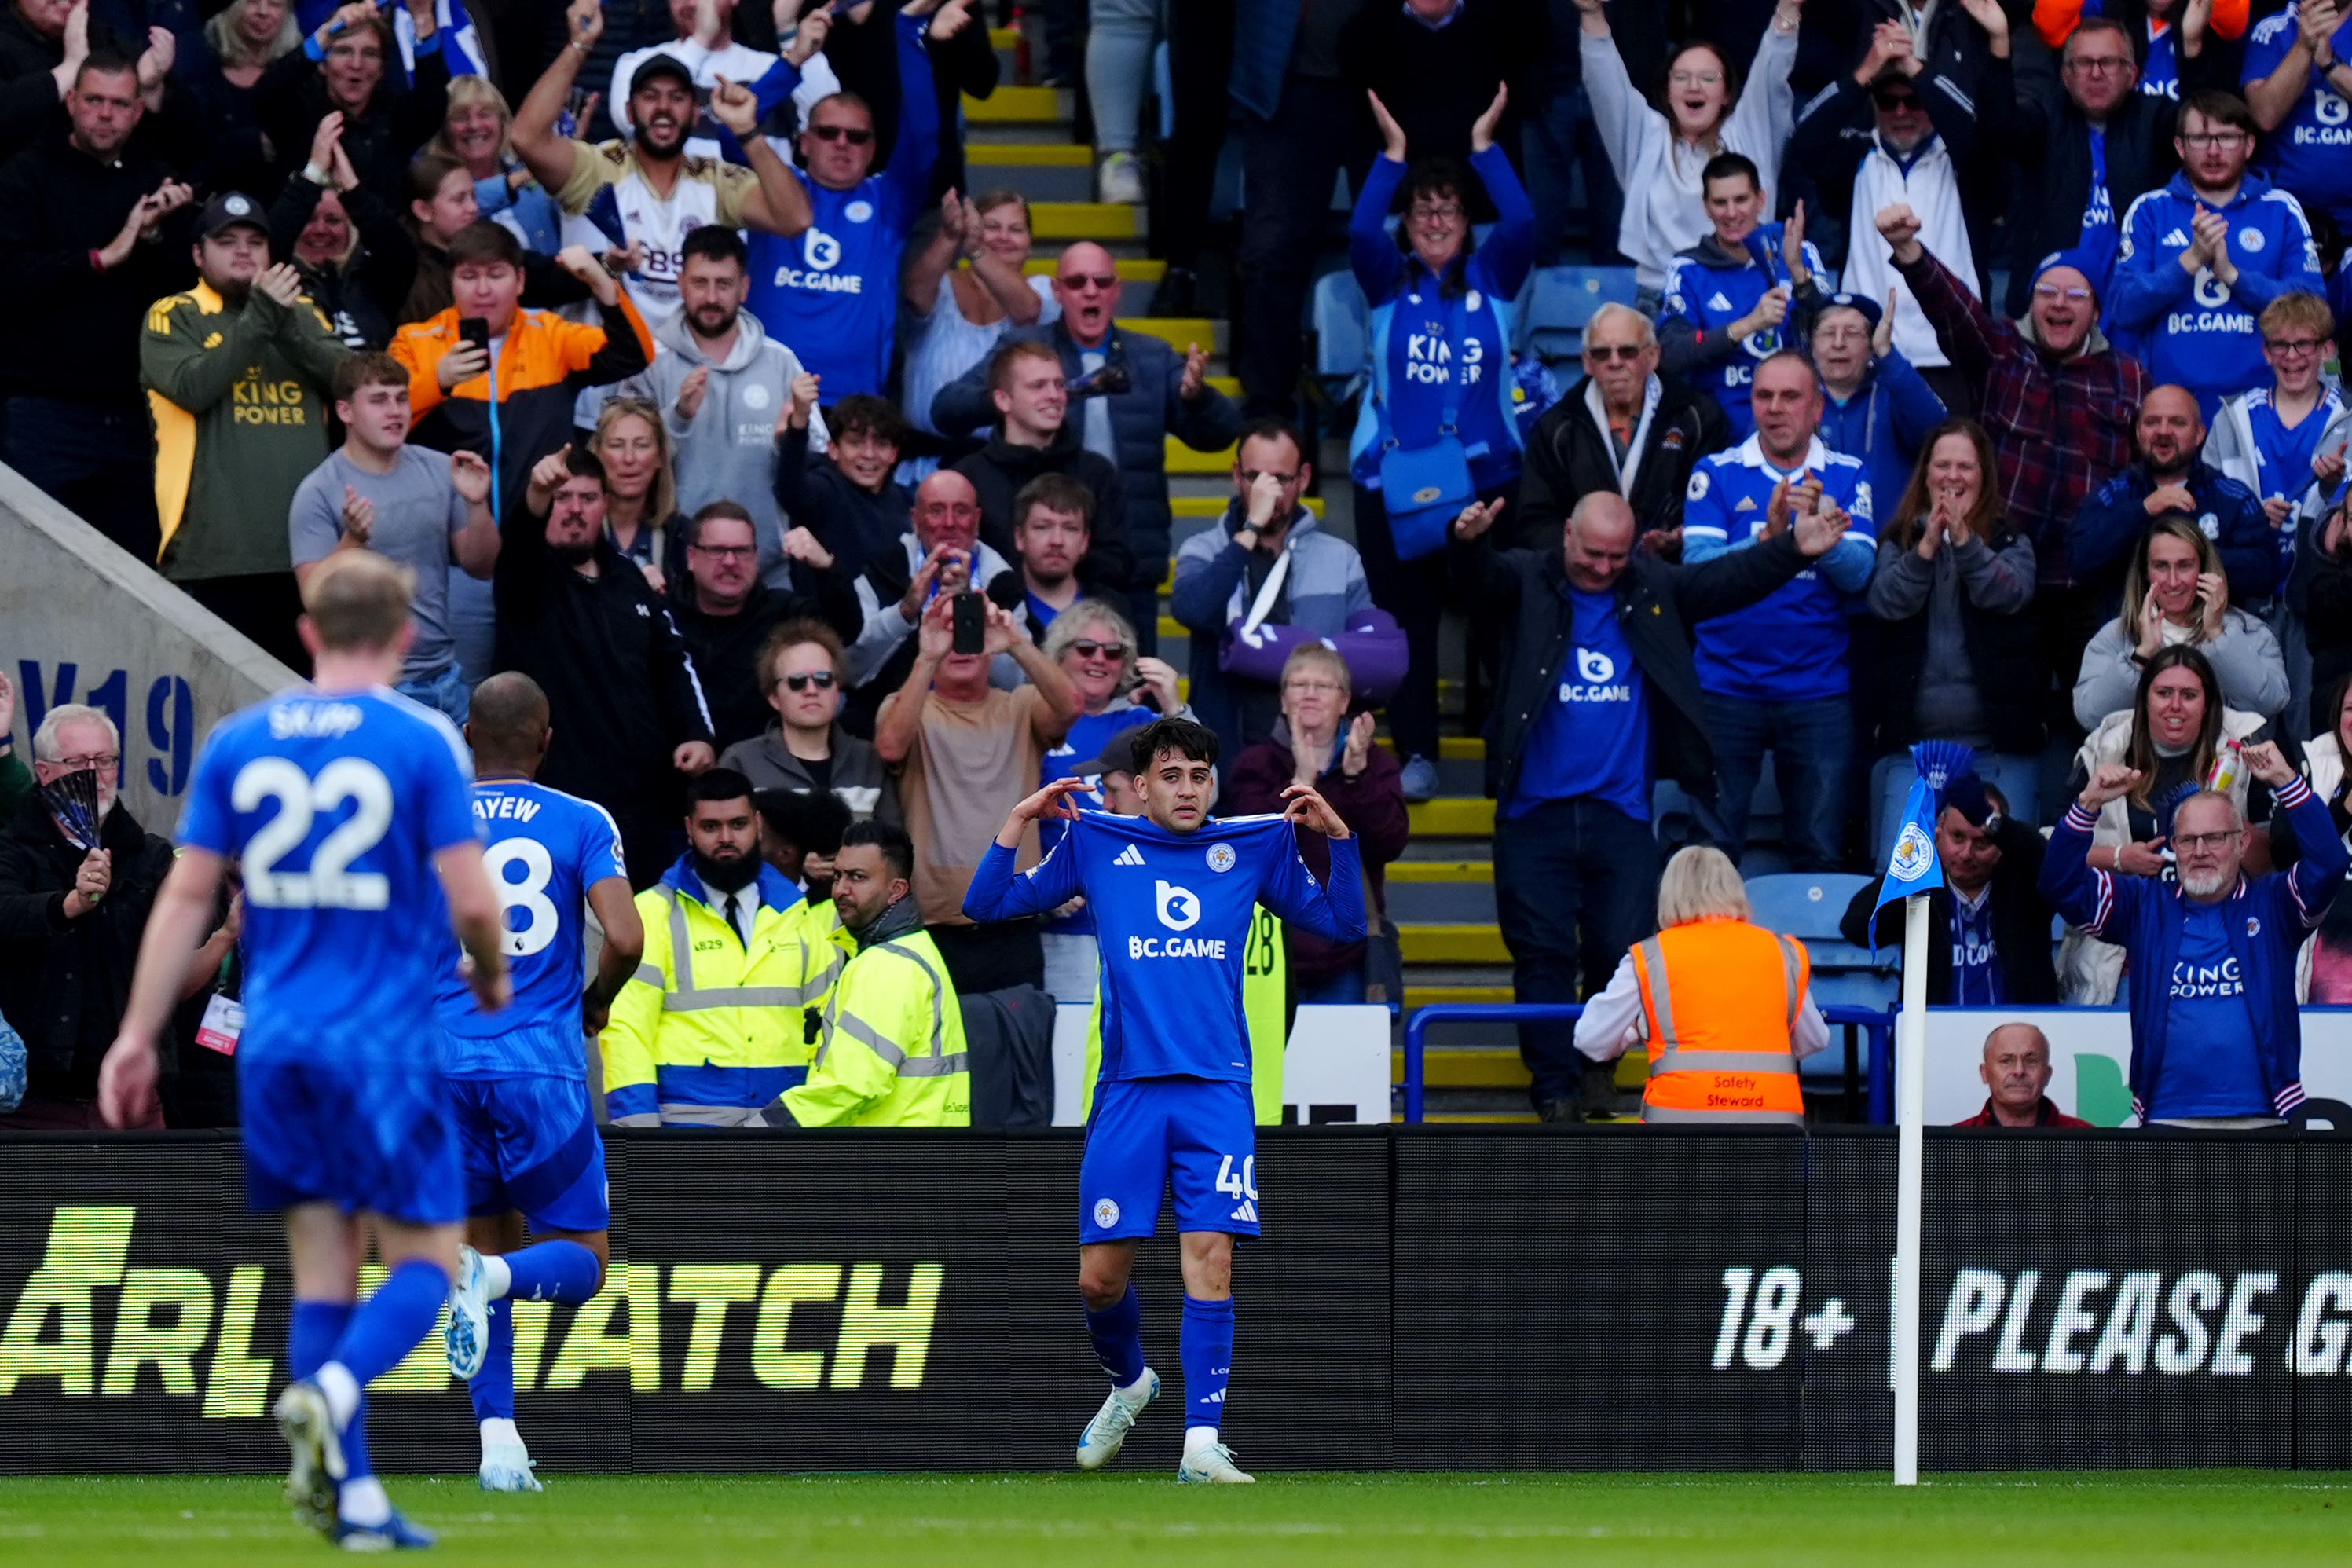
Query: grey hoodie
[728,451]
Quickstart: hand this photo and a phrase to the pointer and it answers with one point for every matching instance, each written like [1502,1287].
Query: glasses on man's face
[2193,842]
[2212,138]
[1252,476]
[104,762]
[1308,686]
[2051,293]
[820,678]
[1893,102]
[1623,353]
[1434,212]
[1080,282]
[2098,65]
[2292,346]
[855,135]
[1087,648]
[726,552]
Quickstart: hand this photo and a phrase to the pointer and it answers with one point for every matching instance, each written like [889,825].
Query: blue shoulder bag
[1425,488]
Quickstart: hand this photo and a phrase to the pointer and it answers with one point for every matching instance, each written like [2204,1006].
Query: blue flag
[1914,866]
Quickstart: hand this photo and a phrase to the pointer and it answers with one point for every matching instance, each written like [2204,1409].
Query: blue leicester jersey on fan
[1173,913]
[1791,645]
[2311,153]
[2198,332]
[1711,297]
[833,291]
[336,803]
[546,850]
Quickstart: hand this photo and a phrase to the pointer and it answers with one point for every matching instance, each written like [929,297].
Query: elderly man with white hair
[2217,1038]
[1623,430]
[73,904]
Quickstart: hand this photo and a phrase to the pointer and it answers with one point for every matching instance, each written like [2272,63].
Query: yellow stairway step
[1453,1067]
[1441,871]
[1132,268]
[1029,156]
[1082,220]
[1179,332]
[1182,460]
[1451,943]
[1005,38]
[1436,996]
[1021,106]
[1453,816]
[1231,385]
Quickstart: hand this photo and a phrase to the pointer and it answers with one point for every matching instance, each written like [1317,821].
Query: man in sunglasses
[725,612]
[2205,255]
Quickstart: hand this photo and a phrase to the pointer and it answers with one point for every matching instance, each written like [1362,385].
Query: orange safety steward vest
[1719,1030]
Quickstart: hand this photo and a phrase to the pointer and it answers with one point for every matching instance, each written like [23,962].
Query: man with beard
[721,919]
[1050,533]
[576,616]
[649,192]
[720,388]
[2169,473]
[2216,1037]
[237,371]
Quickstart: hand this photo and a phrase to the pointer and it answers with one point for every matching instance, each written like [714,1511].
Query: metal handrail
[1879,1025]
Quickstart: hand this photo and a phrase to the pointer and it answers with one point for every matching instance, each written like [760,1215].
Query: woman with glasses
[641,489]
[2176,595]
[1118,691]
[1658,157]
[1441,339]
[806,750]
[1948,653]
[2175,733]
[1315,743]
[966,309]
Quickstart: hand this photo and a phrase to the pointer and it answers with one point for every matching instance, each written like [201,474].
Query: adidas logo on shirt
[2175,237]
[1131,856]
[1247,1211]
[1717,302]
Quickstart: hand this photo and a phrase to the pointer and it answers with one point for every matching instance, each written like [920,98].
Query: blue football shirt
[546,850]
[1172,912]
[2211,1066]
[1594,738]
[336,802]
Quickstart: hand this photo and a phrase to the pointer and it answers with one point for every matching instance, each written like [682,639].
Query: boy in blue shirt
[1728,296]
[347,806]
[520,1076]
[1173,892]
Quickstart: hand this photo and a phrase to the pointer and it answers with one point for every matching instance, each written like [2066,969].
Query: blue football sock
[1118,1333]
[357,1464]
[492,1389]
[311,1334]
[561,1271]
[392,1321]
[1208,1360]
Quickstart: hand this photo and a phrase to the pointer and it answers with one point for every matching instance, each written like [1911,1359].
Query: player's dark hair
[812,821]
[863,413]
[1054,492]
[1271,428]
[732,512]
[105,62]
[2220,108]
[583,463]
[483,244]
[715,242]
[715,784]
[373,368]
[1730,166]
[897,849]
[507,721]
[1193,742]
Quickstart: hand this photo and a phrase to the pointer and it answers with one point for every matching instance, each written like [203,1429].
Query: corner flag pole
[1911,1119]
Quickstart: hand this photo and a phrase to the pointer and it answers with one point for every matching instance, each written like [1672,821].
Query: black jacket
[999,469]
[2020,924]
[30,106]
[1141,420]
[78,337]
[1567,459]
[360,295]
[2046,136]
[398,120]
[622,691]
[1524,592]
[856,525]
[2004,658]
[64,984]
[726,651]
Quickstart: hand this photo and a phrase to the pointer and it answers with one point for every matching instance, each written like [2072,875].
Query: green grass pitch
[967,1521]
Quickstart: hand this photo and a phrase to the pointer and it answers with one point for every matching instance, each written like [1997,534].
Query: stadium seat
[1560,300]
[1342,333]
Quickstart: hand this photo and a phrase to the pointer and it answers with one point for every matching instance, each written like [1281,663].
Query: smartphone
[475,329]
[970,623]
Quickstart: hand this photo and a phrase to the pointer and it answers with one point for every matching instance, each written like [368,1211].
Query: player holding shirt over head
[347,804]
[1173,893]
[519,1077]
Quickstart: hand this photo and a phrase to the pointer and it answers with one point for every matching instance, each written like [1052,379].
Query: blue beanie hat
[2080,260]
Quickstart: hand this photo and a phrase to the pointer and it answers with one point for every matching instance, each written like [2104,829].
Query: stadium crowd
[1973,379]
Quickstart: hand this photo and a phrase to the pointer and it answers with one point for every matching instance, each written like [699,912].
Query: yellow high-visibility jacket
[1266,1005]
[708,1031]
[890,1049]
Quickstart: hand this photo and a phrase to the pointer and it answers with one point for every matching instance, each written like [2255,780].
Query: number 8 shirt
[336,803]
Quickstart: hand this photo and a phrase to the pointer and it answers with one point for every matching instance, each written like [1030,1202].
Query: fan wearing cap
[237,371]
[704,42]
[1991,906]
[1875,406]
[651,191]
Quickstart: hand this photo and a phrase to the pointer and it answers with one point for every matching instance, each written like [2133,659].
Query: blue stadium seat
[1807,905]
[1342,333]
[1560,300]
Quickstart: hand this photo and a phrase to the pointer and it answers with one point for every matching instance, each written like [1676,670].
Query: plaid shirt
[2059,427]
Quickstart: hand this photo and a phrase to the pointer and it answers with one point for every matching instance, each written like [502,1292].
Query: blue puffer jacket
[2144,917]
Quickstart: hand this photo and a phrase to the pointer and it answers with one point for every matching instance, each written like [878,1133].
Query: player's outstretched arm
[1334,912]
[473,914]
[176,927]
[996,894]
[624,943]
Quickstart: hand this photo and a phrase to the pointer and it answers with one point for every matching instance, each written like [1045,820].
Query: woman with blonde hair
[641,489]
[1724,1005]
[475,132]
[241,41]
[2176,595]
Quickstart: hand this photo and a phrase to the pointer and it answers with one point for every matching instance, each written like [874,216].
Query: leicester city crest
[1913,854]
